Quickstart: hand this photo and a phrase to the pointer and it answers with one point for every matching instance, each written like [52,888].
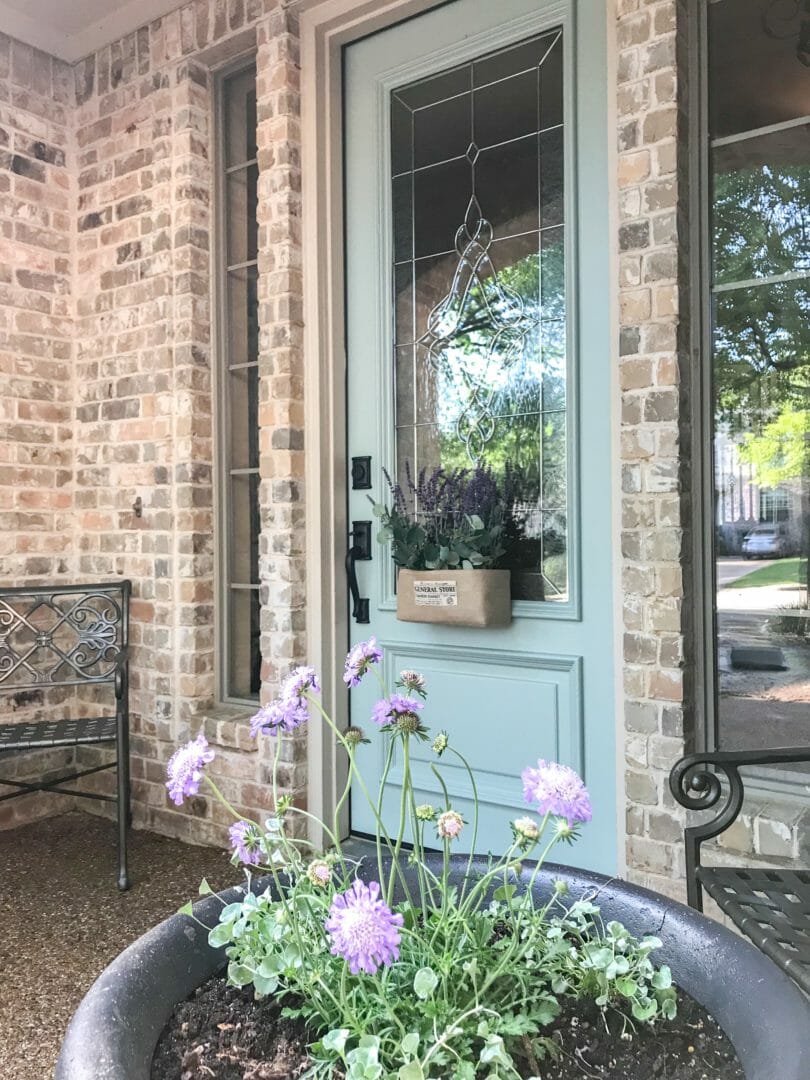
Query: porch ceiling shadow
[72,30]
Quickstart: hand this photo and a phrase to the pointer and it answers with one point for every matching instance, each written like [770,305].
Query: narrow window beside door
[758,153]
[237,419]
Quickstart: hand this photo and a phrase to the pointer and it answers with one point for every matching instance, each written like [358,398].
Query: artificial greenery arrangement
[445,520]
[405,967]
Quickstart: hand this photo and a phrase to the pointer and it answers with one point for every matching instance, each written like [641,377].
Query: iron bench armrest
[696,784]
[121,673]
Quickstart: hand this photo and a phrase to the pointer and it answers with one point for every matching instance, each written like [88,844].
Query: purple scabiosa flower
[298,682]
[392,709]
[363,929]
[289,710]
[449,825]
[360,659]
[267,720]
[557,790]
[246,842]
[185,769]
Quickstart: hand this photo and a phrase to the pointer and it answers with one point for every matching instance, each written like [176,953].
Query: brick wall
[653,374]
[132,389]
[36,316]
[144,425]
[36,189]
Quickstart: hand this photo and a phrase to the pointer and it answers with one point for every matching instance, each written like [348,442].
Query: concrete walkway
[63,920]
[730,569]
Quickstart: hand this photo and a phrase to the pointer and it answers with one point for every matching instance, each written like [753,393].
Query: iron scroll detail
[60,636]
[696,784]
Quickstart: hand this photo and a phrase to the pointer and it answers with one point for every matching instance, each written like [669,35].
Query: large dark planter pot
[114,1031]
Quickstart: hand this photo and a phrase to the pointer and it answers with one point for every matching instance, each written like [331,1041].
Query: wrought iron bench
[69,636]
[771,907]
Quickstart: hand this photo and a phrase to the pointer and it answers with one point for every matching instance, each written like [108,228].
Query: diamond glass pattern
[480,349]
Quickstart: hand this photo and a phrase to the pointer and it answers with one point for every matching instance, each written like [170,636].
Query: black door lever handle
[360,611]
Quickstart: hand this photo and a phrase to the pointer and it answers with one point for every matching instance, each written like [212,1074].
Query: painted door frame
[326,26]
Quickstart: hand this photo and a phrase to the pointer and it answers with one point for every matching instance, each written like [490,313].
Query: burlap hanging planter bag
[478,598]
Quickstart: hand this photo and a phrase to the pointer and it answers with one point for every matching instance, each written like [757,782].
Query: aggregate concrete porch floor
[62,920]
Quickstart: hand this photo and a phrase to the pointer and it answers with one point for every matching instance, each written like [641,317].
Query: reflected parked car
[764,542]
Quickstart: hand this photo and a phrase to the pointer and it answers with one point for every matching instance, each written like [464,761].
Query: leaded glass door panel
[467,347]
[478,221]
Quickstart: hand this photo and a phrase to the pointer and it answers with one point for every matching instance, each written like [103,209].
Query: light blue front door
[477,241]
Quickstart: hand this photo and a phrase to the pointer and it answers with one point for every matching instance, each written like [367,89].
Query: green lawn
[782,572]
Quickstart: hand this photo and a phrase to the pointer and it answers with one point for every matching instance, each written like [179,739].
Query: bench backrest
[62,635]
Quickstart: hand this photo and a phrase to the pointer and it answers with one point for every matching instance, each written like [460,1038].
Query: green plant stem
[474,840]
[231,810]
[358,776]
[403,816]
[485,879]
[389,757]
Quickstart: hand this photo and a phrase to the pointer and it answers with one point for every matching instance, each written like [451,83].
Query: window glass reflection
[761,372]
[479,289]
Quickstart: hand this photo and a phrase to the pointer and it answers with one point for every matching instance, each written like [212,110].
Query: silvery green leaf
[335,1040]
[205,888]
[265,985]
[410,1043]
[425,982]
[644,1010]
[220,935]
[493,1050]
[662,979]
[412,1071]
[669,1008]
[239,975]
[230,913]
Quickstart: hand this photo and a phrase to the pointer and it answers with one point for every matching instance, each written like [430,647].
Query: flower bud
[408,723]
[319,873]
[440,743]
[449,825]
[354,736]
[425,812]
[412,680]
[526,828]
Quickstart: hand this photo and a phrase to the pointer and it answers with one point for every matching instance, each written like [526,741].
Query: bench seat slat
[45,733]
[771,907]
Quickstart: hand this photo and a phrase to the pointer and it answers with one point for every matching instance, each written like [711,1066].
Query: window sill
[228,726]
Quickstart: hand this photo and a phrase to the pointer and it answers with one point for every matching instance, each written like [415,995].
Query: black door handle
[359,603]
